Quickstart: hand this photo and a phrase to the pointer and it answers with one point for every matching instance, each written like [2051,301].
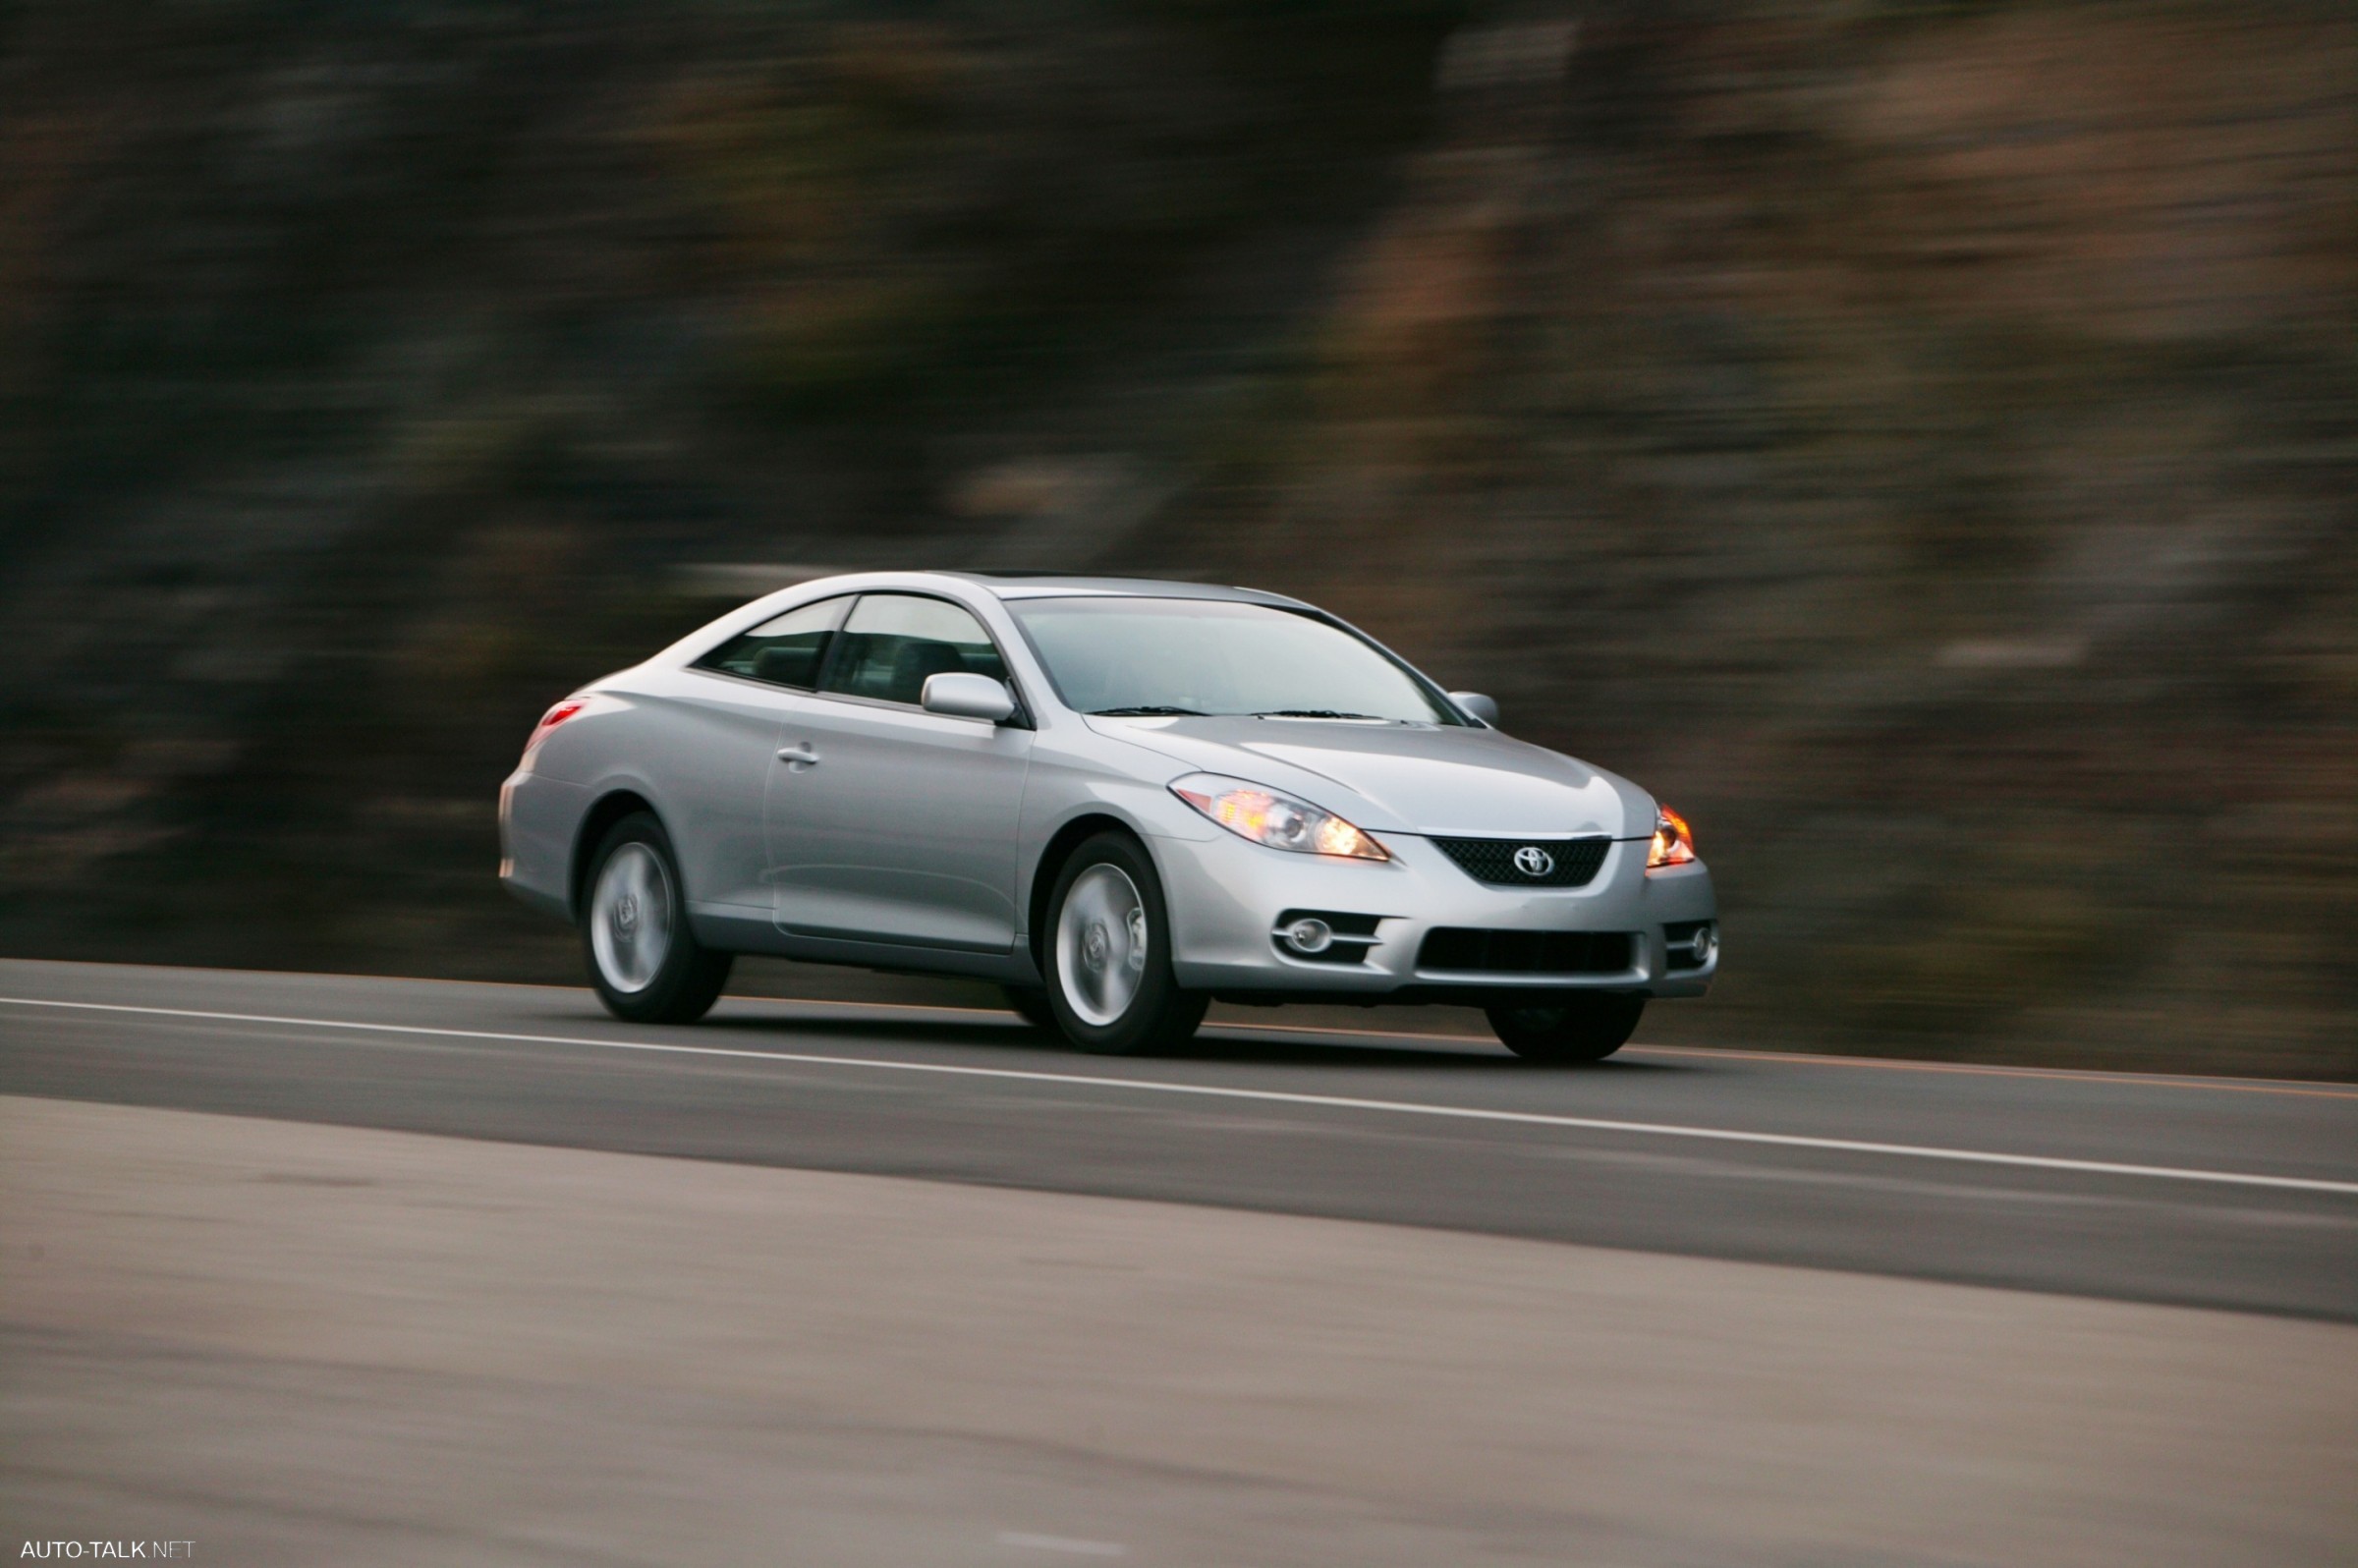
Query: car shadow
[1479,1056]
[1219,1044]
[982,1029]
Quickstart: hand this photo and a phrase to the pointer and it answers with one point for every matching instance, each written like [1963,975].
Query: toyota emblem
[1532,860]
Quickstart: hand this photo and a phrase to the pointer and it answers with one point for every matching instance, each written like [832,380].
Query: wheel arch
[608,810]
[1059,849]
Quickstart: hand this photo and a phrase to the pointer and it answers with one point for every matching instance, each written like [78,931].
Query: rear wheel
[1585,1026]
[1109,958]
[645,962]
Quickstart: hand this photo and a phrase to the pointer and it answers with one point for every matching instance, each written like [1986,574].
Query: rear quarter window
[787,650]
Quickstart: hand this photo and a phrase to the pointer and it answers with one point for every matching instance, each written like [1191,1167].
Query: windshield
[1144,657]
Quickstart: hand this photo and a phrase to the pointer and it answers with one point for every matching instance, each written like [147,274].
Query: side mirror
[965,695]
[1481,706]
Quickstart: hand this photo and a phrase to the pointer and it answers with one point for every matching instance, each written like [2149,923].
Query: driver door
[887,824]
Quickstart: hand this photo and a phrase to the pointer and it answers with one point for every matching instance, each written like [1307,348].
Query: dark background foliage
[1916,440]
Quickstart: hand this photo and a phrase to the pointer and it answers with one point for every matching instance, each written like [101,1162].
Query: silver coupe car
[1117,799]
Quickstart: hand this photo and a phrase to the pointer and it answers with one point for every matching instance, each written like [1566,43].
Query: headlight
[1673,842]
[1278,820]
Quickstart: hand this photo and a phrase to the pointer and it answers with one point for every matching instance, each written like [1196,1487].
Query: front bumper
[1227,895]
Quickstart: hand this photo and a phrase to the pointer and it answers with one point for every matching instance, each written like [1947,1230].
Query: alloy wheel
[630,918]
[1102,944]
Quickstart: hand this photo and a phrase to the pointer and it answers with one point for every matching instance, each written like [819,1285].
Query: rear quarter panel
[696,748]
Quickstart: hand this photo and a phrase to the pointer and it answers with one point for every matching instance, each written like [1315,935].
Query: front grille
[1468,949]
[1572,862]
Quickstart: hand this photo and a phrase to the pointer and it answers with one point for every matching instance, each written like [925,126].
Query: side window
[894,641]
[785,651]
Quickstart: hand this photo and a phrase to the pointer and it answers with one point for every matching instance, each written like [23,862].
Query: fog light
[1307,935]
[1706,942]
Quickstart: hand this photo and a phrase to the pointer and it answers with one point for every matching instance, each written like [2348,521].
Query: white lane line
[1733,1055]
[1025,1540]
[1397,1107]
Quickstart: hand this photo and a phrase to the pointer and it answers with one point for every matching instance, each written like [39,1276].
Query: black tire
[1156,1015]
[1584,1027]
[1030,1004]
[684,977]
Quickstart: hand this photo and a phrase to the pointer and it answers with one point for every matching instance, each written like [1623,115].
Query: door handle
[798,757]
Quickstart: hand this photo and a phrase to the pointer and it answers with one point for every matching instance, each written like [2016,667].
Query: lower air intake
[1465,949]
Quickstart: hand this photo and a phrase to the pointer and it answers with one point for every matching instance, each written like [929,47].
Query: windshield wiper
[1319,712]
[1148,711]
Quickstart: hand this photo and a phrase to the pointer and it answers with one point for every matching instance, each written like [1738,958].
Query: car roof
[1017,585]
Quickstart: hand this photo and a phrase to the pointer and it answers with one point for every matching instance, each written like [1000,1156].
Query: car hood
[1405,778]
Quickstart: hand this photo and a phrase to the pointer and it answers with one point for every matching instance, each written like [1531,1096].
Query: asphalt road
[2212,1193]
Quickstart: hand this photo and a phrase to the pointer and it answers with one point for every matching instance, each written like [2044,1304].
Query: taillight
[552,718]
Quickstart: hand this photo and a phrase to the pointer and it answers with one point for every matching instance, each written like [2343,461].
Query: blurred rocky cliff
[1916,440]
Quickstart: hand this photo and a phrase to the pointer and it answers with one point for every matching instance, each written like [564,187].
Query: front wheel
[1109,957]
[1585,1026]
[647,964]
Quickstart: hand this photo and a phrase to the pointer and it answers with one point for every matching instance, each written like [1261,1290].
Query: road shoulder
[307,1342]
